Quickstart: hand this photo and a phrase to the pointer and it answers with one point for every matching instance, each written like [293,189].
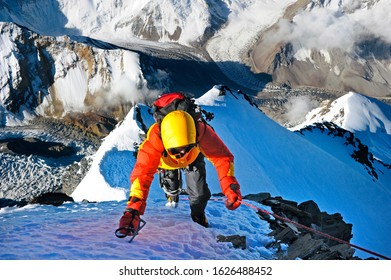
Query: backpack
[169,102]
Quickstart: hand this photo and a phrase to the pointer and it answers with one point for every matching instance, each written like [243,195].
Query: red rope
[314,230]
[308,228]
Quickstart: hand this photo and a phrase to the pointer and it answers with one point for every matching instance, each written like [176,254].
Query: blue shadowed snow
[116,167]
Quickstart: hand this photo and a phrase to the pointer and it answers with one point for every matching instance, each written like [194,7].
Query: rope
[314,230]
[307,228]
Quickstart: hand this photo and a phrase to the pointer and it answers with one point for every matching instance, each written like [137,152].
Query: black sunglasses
[180,151]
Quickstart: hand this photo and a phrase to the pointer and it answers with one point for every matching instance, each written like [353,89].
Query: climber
[179,141]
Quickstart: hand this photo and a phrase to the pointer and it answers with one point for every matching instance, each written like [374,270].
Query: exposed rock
[238,242]
[303,248]
[7,202]
[55,199]
[302,243]
[90,122]
[360,152]
[360,69]
[73,175]
[35,67]
[259,197]
[315,214]
[33,146]
[37,86]
[276,101]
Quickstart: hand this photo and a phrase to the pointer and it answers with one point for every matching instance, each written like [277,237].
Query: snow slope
[76,231]
[184,22]
[269,158]
[368,118]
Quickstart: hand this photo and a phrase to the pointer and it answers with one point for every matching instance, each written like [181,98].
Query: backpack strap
[169,102]
[173,101]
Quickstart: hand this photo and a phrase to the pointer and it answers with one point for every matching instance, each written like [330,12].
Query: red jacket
[152,155]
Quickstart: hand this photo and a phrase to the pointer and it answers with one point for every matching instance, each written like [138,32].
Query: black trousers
[196,186]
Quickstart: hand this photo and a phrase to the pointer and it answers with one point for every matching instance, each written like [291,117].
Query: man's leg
[171,183]
[198,190]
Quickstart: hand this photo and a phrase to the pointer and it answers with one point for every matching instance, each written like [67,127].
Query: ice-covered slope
[85,231]
[366,117]
[116,21]
[268,158]
[185,22]
[113,162]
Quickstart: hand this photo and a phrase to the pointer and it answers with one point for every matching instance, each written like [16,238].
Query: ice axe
[130,230]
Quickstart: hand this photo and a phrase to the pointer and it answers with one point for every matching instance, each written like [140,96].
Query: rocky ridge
[359,151]
[292,242]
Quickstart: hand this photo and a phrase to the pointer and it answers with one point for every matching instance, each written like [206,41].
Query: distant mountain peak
[353,112]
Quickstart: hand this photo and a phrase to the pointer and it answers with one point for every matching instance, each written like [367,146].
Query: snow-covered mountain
[52,76]
[111,55]
[285,42]
[269,158]
[366,117]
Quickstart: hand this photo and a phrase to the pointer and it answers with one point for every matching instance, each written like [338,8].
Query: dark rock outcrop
[55,199]
[359,151]
[91,123]
[238,242]
[7,202]
[295,242]
[33,146]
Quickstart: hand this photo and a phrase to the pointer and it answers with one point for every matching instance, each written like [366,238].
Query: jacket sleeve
[147,162]
[218,154]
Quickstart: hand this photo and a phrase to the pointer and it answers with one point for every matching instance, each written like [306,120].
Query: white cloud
[337,26]
[298,106]
[377,19]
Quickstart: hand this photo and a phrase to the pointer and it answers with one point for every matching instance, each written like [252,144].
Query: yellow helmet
[178,129]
